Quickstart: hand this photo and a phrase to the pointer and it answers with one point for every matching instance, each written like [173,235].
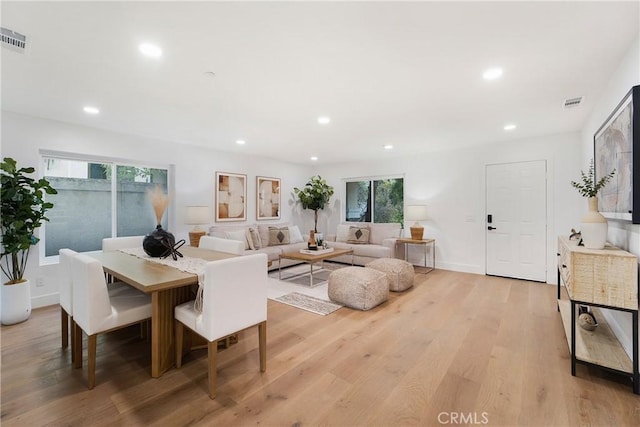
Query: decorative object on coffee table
[416,213]
[314,195]
[594,224]
[196,215]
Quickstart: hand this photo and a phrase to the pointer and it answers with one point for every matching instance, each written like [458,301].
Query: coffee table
[311,259]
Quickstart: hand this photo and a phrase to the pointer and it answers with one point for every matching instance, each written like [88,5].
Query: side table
[425,243]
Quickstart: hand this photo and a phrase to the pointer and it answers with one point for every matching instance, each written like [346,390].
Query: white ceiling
[407,74]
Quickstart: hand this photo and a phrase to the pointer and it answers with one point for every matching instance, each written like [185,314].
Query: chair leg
[64,327]
[91,350]
[213,368]
[77,345]
[262,338]
[179,337]
[73,340]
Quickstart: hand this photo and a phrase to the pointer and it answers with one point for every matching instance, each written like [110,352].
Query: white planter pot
[594,227]
[16,303]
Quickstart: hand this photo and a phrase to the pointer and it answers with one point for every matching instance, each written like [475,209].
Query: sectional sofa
[368,241]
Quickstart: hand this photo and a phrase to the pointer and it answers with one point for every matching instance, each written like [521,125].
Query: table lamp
[196,215]
[416,213]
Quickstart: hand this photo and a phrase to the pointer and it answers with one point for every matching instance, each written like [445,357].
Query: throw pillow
[358,235]
[342,233]
[247,232]
[255,238]
[294,234]
[239,235]
[278,236]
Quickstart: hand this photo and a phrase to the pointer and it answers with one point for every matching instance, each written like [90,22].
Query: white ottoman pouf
[361,288]
[400,272]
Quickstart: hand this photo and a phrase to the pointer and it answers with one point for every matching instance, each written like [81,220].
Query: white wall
[452,185]
[194,174]
[621,233]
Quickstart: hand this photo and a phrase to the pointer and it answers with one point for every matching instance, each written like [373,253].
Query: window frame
[371,179]
[114,162]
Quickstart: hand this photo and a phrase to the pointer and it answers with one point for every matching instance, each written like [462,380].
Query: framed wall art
[617,146]
[231,197]
[267,198]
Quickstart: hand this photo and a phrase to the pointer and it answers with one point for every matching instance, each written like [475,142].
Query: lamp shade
[416,213]
[197,215]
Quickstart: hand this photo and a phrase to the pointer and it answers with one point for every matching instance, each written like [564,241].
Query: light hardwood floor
[456,347]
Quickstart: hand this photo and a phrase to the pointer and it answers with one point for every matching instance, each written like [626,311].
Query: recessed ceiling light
[314,158]
[240,142]
[509,127]
[388,147]
[150,50]
[492,74]
[324,120]
[90,110]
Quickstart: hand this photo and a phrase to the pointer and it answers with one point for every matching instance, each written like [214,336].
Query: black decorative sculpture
[160,243]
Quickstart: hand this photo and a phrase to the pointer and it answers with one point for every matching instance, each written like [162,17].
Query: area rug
[309,303]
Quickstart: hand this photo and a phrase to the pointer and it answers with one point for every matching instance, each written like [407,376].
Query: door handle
[491,228]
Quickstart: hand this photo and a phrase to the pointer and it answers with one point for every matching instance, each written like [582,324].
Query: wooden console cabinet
[600,278]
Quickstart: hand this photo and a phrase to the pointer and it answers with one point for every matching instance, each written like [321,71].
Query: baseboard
[619,331]
[45,300]
[462,268]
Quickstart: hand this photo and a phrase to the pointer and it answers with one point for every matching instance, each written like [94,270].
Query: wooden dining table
[168,288]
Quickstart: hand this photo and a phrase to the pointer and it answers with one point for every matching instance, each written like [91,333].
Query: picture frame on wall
[267,198]
[616,146]
[231,197]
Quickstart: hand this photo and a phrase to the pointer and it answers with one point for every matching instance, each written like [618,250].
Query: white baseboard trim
[45,300]
[462,268]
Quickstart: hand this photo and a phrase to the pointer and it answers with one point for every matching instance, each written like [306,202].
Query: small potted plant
[314,195]
[594,224]
[23,211]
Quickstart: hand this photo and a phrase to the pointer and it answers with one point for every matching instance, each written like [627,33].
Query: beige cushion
[358,235]
[278,236]
[400,272]
[294,234]
[255,238]
[342,233]
[239,235]
[361,288]
[382,231]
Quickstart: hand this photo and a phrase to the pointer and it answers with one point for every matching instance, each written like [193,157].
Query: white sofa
[247,234]
[380,244]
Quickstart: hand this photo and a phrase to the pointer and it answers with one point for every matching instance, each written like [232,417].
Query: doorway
[516,220]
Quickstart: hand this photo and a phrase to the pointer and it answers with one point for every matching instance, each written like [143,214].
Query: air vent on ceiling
[13,40]
[573,102]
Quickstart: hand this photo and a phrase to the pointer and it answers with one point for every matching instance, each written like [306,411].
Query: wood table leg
[162,327]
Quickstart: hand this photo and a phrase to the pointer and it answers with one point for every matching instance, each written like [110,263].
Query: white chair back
[234,295]
[91,304]
[66,280]
[115,243]
[222,245]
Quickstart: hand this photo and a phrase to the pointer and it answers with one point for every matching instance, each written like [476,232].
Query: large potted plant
[594,224]
[314,195]
[23,211]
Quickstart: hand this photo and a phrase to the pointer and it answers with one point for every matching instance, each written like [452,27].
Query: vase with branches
[594,224]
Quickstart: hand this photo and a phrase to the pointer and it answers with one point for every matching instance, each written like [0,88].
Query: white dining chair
[66,299]
[234,298]
[95,311]
[222,245]
[115,243]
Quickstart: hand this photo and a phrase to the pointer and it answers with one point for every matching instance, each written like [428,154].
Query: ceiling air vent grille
[13,40]
[573,102]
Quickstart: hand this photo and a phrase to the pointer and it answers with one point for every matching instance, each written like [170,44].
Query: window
[375,200]
[98,199]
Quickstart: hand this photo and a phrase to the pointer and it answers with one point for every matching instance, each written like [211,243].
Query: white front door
[516,220]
